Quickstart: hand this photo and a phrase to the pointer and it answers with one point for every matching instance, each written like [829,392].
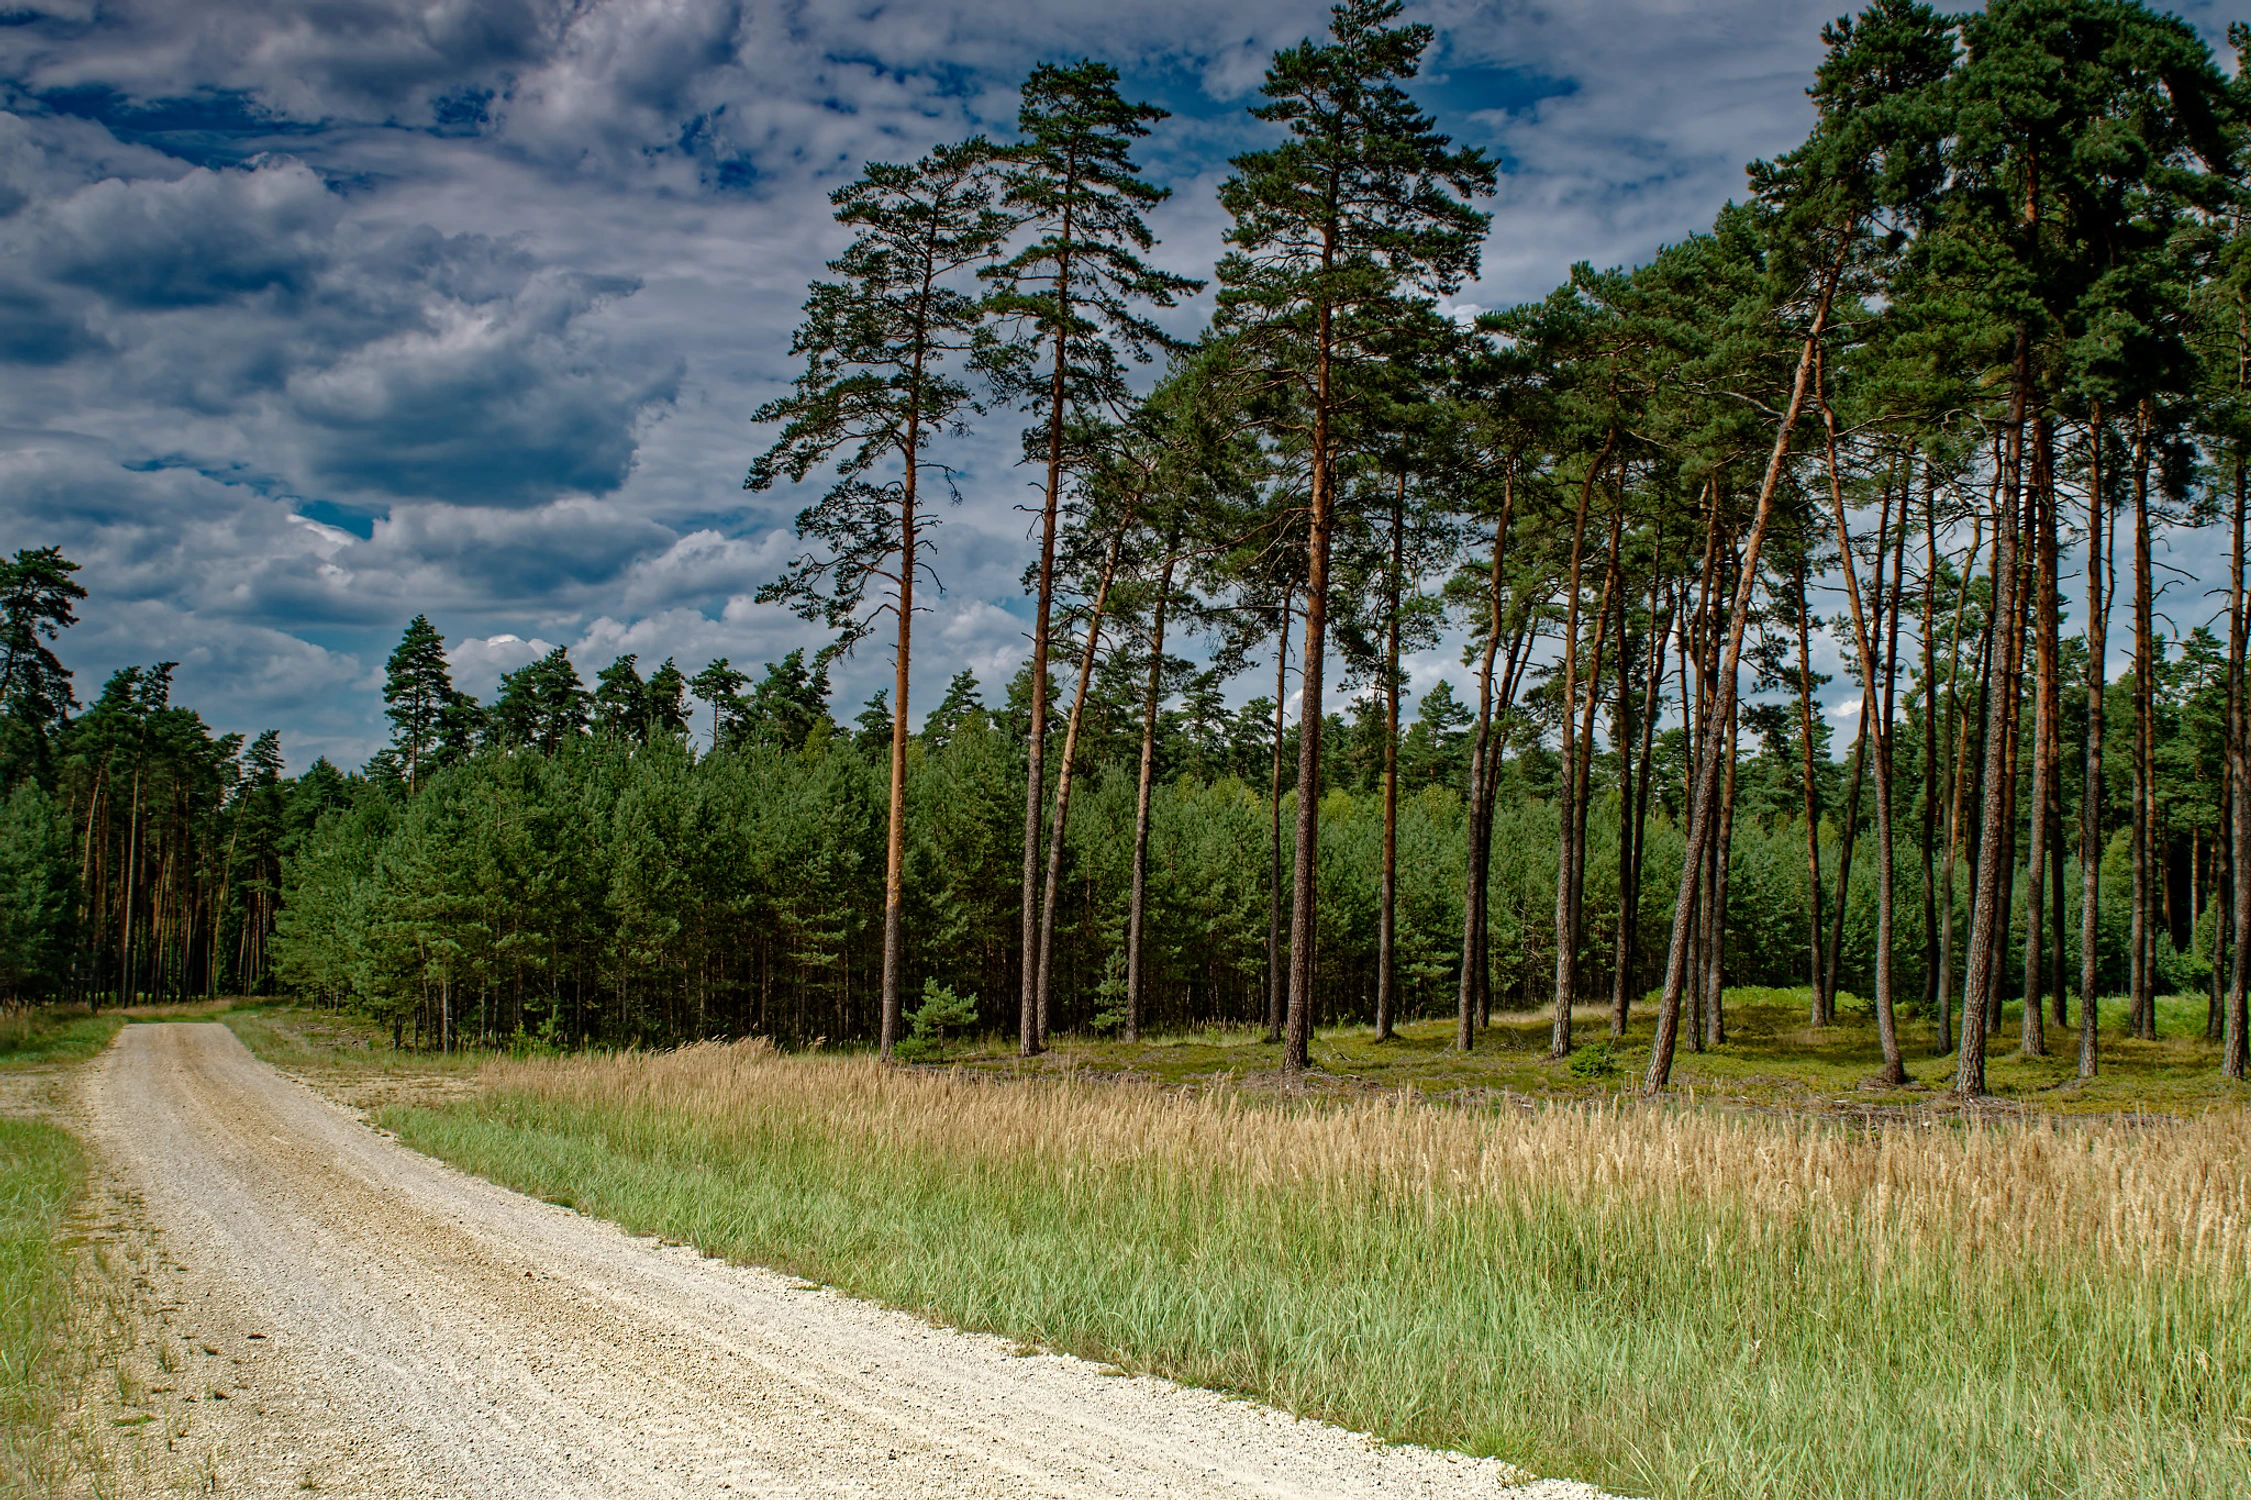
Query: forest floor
[285,1300]
[1772,1059]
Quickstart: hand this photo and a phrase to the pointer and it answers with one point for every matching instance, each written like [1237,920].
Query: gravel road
[346,1316]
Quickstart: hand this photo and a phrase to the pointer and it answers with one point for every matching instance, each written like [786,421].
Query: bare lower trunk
[895,840]
[1388,900]
[2233,1040]
[1306,861]
[2033,1041]
[1277,981]
[1930,741]
[1821,1014]
[1701,813]
[2145,790]
[1715,952]
[1567,784]
[1634,747]
[1138,906]
[1875,733]
[1063,780]
[1988,914]
[1473,894]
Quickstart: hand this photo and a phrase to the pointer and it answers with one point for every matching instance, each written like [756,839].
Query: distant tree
[36,595]
[417,692]
[665,703]
[961,701]
[788,704]
[719,687]
[38,898]
[873,727]
[541,704]
[621,708]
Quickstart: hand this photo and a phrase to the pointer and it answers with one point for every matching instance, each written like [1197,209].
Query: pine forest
[1947,417]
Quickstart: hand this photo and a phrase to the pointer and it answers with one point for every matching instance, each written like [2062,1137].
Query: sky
[316,315]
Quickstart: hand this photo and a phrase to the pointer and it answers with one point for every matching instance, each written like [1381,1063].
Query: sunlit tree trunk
[2033,1038]
[1388,898]
[1701,812]
[1063,780]
[1567,781]
[1820,1009]
[2233,1040]
[1474,889]
[1277,979]
[2145,793]
[1989,912]
[1138,907]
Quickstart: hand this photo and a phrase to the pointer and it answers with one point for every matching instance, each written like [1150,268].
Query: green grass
[314,1039]
[1772,1058]
[41,1174]
[55,1034]
[1664,1300]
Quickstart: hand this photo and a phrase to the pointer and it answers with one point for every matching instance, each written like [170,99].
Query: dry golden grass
[1661,1298]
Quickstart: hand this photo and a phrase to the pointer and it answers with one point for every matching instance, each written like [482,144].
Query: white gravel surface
[346,1316]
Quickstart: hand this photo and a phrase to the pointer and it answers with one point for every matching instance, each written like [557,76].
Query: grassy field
[1667,1300]
[1771,1058]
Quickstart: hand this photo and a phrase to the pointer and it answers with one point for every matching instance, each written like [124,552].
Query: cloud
[319,317]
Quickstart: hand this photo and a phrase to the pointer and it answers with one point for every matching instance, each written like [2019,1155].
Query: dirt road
[349,1317]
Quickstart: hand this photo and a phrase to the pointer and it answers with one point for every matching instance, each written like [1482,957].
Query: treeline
[1990,317]
[625,888]
[140,854]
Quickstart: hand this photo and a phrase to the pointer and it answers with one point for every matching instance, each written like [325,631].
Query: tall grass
[40,1174]
[1665,1301]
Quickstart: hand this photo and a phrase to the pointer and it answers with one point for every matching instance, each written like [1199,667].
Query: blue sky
[317,316]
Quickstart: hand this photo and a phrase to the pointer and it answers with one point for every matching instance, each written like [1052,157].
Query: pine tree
[542,705]
[1336,233]
[36,598]
[875,393]
[1072,292]
[417,689]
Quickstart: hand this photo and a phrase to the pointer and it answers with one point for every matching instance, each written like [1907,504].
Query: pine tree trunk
[1137,908]
[2145,791]
[1387,913]
[1634,746]
[1875,732]
[1701,812]
[2033,1040]
[1567,783]
[1030,1032]
[1821,1012]
[1715,953]
[1930,740]
[1957,750]
[1277,982]
[1473,895]
[895,836]
[2233,1038]
[1063,785]
[1988,913]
